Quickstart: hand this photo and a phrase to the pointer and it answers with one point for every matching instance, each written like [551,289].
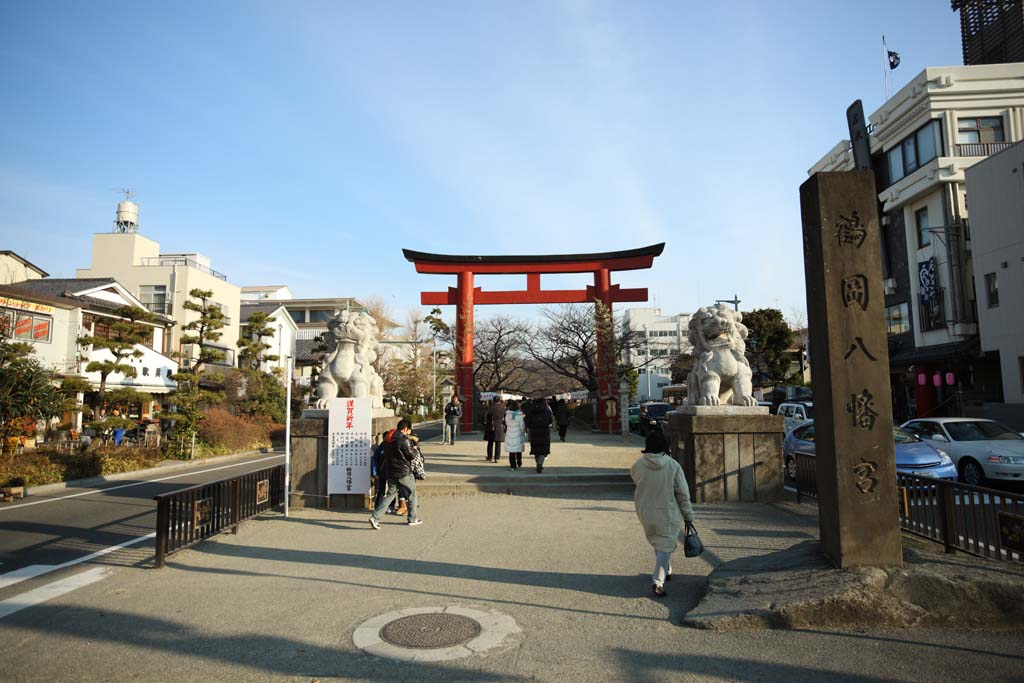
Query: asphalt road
[71,523]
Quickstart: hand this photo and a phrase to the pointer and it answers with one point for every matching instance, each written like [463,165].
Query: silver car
[981,449]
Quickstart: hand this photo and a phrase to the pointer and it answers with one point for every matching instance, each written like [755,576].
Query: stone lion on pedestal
[348,371]
[721,374]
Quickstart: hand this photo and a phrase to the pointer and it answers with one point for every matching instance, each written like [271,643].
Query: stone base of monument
[728,453]
[309,461]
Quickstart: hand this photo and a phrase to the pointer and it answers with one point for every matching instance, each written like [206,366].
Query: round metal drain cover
[432,630]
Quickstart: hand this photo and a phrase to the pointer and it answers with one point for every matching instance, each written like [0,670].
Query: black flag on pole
[894,59]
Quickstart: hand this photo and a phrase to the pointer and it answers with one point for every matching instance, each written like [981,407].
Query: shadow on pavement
[260,653]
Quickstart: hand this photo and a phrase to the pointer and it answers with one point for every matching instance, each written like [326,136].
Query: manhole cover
[432,630]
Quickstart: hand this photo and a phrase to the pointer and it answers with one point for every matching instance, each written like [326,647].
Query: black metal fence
[193,514]
[973,519]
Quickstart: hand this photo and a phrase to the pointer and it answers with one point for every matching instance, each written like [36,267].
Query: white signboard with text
[349,445]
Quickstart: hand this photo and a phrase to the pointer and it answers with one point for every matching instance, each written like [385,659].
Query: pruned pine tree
[251,347]
[120,337]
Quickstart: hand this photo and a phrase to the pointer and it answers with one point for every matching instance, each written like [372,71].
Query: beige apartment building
[162,281]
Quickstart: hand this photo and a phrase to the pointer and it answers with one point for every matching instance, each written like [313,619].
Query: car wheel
[971,472]
[791,468]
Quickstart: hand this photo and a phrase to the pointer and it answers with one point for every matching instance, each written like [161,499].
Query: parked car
[653,415]
[634,418]
[981,449]
[913,455]
[796,413]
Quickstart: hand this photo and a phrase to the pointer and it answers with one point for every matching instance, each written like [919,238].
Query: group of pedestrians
[661,498]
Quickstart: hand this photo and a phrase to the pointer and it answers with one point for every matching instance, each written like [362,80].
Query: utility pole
[735,301]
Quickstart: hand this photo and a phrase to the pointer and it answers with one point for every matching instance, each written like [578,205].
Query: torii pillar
[602,293]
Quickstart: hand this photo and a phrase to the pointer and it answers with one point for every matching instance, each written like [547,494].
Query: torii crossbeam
[465,296]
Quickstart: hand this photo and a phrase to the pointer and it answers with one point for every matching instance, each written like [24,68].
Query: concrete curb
[165,466]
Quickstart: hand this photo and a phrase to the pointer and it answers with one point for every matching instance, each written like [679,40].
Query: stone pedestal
[309,462]
[728,453]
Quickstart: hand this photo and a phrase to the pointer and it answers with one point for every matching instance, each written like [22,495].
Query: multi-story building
[996,189]
[992,31]
[662,338]
[922,141]
[14,268]
[268,292]
[163,281]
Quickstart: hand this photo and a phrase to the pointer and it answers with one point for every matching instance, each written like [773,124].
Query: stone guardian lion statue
[347,371]
[721,374]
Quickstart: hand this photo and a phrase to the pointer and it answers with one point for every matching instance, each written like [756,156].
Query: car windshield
[657,409]
[809,412]
[982,430]
[903,436]
[634,411]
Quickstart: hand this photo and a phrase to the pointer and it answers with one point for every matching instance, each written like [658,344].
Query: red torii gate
[465,296]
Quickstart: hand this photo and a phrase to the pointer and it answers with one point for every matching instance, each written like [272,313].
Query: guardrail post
[946,514]
[162,529]
[236,504]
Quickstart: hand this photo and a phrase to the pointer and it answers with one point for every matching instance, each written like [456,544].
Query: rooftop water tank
[127,214]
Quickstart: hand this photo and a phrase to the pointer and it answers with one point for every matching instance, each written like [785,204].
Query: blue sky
[306,143]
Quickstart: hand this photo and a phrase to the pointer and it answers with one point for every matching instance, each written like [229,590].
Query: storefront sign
[349,445]
[19,305]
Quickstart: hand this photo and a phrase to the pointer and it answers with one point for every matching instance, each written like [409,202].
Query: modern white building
[52,314]
[267,292]
[996,189]
[163,281]
[922,141]
[663,337]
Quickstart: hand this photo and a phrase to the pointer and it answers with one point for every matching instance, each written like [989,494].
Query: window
[897,319]
[933,310]
[924,238]
[992,290]
[804,433]
[321,315]
[915,150]
[298,316]
[154,297]
[26,326]
[983,129]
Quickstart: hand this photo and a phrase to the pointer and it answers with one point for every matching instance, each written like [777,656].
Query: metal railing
[980,149]
[959,516]
[972,519]
[196,513]
[181,261]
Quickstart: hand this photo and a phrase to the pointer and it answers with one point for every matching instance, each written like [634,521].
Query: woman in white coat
[515,434]
[662,503]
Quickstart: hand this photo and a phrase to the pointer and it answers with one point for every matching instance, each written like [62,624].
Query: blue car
[913,456]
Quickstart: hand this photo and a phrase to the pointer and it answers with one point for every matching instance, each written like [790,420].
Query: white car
[796,413]
[981,449]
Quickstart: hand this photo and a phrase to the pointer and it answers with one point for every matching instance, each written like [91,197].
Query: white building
[266,292]
[663,337]
[163,281]
[922,142]
[52,314]
[996,189]
[14,268]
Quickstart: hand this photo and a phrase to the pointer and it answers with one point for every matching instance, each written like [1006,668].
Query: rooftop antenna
[127,217]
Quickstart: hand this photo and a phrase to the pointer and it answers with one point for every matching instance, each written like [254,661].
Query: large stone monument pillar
[855,461]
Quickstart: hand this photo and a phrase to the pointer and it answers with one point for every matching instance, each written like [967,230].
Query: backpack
[419,470]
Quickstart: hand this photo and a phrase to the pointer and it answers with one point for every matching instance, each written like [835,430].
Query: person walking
[562,418]
[497,422]
[399,455]
[539,426]
[662,501]
[452,414]
[515,435]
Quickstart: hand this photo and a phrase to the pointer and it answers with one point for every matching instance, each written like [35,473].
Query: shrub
[219,429]
[30,468]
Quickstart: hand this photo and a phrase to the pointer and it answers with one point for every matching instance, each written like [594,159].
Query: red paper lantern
[922,379]
[937,380]
[950,379]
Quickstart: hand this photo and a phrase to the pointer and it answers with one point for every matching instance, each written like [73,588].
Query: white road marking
[52,590]
[138,483]
[34,570]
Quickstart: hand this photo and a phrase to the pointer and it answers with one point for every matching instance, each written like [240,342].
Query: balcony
[980,149]
[181,261]
[163,307]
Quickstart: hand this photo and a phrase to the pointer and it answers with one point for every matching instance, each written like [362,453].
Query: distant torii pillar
[602,293]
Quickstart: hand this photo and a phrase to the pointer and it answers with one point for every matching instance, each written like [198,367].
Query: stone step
[522,487]
[527,474]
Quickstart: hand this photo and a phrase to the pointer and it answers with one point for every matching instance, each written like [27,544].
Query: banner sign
[926,276]
[349,445]
[19,305]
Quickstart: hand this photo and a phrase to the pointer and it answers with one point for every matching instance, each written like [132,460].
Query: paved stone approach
[493,628]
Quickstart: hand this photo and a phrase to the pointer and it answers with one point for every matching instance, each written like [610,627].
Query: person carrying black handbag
[662,502]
